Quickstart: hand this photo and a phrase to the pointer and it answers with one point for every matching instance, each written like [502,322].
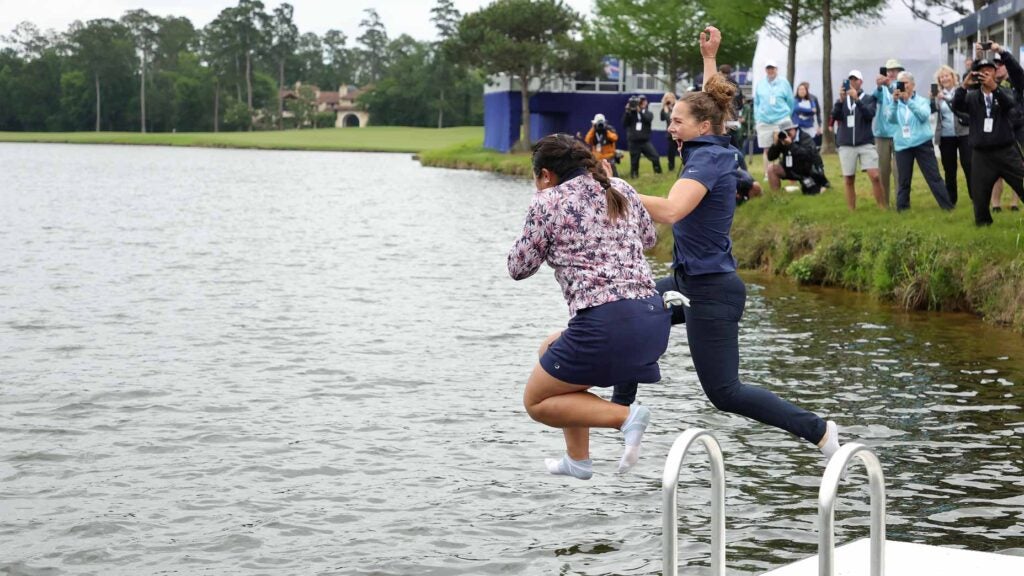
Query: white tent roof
[917,44]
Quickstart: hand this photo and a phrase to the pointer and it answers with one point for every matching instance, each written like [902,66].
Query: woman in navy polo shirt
[593,231]
[700,207]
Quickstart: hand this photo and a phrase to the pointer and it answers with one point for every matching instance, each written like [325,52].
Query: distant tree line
[144,72]
[150,73]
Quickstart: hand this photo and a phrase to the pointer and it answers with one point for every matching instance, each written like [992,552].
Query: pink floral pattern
[596,261]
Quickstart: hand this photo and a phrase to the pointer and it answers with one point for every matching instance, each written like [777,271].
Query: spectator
[602,138]
[995,152]
[737,130]
[773,103]
[1008,75]
[746,186]
[807,112]
[951,131]
[913,142]
[637,120]
[883,129]
[667,102]
[854,111]
[799,160]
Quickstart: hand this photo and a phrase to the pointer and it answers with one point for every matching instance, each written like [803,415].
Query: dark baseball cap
[982,63]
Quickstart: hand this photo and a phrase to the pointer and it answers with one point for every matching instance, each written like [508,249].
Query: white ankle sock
[633,431]
[831,440]
[582,469]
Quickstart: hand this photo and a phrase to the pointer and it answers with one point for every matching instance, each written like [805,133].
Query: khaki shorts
[766,134]
[849,155]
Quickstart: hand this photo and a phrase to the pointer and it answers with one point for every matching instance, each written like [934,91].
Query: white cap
[771,64]
[597,118]
[855,74]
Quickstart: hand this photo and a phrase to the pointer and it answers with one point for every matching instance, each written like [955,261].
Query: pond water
[256,362]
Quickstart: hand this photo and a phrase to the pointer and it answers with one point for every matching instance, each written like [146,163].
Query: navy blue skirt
[615,343]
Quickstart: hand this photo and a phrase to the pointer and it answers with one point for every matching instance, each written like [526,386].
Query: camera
[600,127]
[783,136]
[901,85]
[986,45]
[935,89]
[883,71]
[846,84]
[634,104]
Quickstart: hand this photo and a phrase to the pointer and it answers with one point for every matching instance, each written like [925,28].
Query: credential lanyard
[904,118]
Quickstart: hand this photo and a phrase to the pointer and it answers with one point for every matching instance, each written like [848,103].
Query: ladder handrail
[669,483]
[827,502]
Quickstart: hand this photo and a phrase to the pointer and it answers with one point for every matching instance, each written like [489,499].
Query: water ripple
[233,369]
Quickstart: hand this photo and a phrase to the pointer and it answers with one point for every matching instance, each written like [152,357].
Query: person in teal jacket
[910,113]
[773,102]
[882,129]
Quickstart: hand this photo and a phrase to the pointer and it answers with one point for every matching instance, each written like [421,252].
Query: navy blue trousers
[924,155]
[712,330]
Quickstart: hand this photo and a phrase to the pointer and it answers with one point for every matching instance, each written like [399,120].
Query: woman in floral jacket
[593,231]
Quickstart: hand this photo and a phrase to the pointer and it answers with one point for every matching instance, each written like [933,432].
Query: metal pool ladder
[826,504]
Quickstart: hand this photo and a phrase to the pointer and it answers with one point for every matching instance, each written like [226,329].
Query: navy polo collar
[701,141]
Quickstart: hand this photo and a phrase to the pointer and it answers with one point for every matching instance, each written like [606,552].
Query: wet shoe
[633,431]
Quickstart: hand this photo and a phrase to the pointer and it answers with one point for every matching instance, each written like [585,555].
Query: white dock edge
[907,559]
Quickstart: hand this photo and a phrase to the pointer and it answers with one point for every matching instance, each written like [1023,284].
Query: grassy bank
[370,139]
[922,259]
[473,156]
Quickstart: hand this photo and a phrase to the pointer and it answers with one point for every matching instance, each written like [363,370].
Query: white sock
[831,440]
[633,432]
[582,469]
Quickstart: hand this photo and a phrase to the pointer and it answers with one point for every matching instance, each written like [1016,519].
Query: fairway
[370,139]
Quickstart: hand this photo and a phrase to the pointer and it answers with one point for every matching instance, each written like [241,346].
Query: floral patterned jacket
[596,261]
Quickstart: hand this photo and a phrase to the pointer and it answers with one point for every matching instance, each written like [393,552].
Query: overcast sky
[410,17]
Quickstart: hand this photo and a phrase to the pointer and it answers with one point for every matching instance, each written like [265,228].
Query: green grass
[923,258]
[473,156]
[369,139]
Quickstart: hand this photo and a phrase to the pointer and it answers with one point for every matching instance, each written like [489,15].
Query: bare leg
[755,190]
[851,192]
[997,194]
[876,188]
[577,442]
[775,174]
[559,404]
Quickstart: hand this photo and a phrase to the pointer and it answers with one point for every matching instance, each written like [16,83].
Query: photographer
[995,153]
[637,120]
[1008,75]
[800,160]
[773,103]
[668,101]
[911,113]
[883,130]
[746,186]
[951,131]
[602,138]
[854,111]
[736,128]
